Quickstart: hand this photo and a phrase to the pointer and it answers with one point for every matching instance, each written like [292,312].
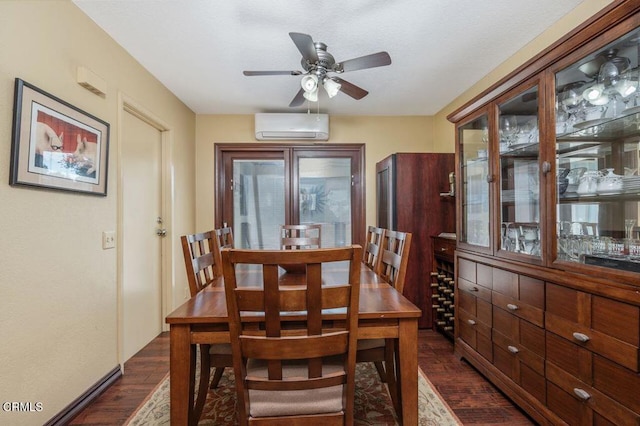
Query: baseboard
[80,403]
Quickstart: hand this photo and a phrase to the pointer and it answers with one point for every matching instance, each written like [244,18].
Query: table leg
[408,370]
[181,364]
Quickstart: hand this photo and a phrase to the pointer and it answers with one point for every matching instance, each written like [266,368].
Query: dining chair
[372,247]
[295,237]
[293,374]
[224,239]
[201,259]
[392,267]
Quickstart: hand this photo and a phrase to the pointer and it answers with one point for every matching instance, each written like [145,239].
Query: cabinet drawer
[475,333]
[576,401]
[604,326]
[620,383]
[521,365]
[519,287]
[444,248]
[570,357]
[466,270]
[617,319]
[522,333]
[518,352]
[518,308]
[477,290]
[477,307]
[484,275]
[505,282]
[621,352]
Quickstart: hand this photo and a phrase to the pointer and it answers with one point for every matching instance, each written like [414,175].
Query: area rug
[372,403]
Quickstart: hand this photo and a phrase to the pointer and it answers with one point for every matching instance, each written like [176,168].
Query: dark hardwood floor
[474,400]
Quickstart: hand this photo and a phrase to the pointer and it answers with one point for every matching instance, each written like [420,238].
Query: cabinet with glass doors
[597,124]
[548,253]
[474,183]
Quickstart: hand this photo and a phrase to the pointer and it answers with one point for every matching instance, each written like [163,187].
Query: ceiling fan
[318,63]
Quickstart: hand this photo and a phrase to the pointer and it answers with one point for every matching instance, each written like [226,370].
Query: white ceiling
[439,48]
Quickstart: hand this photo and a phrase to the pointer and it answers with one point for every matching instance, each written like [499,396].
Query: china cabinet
[547,294]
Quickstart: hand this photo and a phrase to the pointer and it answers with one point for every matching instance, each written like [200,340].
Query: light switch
[108,240]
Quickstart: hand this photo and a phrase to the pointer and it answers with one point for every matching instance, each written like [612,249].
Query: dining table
[383,313]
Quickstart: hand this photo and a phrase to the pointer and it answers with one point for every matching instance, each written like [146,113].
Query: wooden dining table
[383,313]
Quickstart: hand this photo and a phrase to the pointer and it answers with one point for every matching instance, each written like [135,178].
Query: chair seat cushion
[364,344]
[290,403]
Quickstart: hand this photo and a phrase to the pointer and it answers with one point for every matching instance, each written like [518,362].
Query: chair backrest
[200,259]
[279,346]
[225,237]
[295,237]
[394,258]
[372,247]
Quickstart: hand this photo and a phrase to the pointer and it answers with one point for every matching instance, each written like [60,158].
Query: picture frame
[56,145]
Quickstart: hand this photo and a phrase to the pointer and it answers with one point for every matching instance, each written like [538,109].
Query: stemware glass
[508,128]
[628,228]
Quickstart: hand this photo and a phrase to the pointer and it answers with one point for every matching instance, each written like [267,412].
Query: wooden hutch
[547,262]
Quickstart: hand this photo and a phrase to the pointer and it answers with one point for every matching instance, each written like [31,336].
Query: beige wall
[58,288]
[381,135]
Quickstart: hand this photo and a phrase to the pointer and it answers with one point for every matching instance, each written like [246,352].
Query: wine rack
[442,285]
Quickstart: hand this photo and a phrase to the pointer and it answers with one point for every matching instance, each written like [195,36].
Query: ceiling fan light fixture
[309,83]
[311,96]
[331,87]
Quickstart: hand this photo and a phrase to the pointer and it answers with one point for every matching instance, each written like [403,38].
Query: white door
[141,245]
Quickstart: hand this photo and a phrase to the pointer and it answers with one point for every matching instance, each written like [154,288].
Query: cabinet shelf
[529,150]
[598,198]
[615,129]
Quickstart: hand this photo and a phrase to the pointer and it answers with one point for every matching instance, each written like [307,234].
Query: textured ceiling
[439,48]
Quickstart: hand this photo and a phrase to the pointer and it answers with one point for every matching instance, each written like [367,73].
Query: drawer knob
[512,307]
[580,337]
[443,249]
[581,393]
[513,349]
[471,322]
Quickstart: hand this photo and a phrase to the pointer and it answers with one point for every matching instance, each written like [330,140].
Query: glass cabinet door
[597,154]
[519,145]
[473,138]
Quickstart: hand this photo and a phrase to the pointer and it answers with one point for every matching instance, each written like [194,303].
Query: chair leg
[381,370]
[217,375]
[392,382]
[203,387]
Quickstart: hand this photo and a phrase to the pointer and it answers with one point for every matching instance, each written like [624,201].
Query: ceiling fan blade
[350,89]
[379,59]
[298,99]
[250,73]
[305,45]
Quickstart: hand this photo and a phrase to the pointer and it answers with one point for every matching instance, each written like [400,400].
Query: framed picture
[56,145]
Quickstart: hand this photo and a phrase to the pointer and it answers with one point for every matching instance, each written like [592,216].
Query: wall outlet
[108,240]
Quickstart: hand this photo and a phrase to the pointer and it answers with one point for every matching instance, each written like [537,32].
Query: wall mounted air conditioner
[276,126]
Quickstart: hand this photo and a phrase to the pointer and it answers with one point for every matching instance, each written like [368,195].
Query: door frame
[223,184]
[127,105]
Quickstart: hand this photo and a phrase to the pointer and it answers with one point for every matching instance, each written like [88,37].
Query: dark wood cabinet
[408,188]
